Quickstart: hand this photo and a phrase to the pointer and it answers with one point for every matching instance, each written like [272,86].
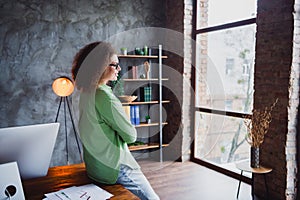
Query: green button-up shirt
[105,130]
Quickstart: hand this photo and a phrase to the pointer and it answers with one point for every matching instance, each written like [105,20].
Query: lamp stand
[66,101]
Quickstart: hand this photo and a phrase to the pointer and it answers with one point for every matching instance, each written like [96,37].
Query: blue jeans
[135,181]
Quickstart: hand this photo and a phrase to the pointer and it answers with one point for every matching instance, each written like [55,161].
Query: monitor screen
[30,146]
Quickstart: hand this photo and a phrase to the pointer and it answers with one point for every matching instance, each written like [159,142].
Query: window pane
[225,69]
[216,12]
[220,140]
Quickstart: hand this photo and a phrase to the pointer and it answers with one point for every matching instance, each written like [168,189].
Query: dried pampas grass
[258,125]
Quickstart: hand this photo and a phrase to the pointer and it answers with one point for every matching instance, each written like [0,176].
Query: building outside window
[229,66]
[224,67]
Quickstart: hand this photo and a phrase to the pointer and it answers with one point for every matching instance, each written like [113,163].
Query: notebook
[30,146]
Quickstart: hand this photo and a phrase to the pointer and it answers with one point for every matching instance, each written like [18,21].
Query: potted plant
[257,128]
[124,50]
[148,119]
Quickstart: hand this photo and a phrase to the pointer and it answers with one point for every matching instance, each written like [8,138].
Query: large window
[224,68]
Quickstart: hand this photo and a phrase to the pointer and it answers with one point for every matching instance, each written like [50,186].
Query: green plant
[241,81]
[136,143]
[223,149]
[258,125]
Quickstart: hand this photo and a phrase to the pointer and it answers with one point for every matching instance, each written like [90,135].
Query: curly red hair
[89,64]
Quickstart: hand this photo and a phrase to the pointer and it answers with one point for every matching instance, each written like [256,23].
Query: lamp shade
[63,86]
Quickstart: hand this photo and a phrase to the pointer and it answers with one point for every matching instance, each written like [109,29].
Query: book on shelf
[132,119]
[146,94]
[135,114]
[127,110]
[132,72]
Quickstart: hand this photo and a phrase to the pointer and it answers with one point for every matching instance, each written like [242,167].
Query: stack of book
[133,72]
[146,94]
[135,114]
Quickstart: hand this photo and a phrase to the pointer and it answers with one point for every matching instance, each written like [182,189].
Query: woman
[104,126]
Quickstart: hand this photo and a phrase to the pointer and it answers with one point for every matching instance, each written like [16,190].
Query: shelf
[156,81]
[145,146]
[143,124]
[144,102]
[140,56]
[140,79]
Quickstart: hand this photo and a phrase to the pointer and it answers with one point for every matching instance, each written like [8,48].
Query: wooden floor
[190,181]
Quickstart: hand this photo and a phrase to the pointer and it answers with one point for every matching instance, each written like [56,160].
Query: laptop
[30,146]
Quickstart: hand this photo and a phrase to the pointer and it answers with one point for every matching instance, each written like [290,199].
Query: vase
[147,69]
[254,157]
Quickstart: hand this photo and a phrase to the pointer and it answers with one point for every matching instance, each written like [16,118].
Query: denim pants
[135,181]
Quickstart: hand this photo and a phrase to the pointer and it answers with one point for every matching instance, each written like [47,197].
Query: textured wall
[275,78]
[38,42]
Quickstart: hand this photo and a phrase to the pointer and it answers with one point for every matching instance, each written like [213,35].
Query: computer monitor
[30,146]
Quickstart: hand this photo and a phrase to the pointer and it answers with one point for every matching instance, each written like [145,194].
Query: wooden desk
[245,166]
[66,176]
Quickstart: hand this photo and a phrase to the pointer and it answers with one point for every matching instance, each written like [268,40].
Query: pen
[58,196]
[83,194]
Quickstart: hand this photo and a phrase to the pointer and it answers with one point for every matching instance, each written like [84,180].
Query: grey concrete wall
[38,40]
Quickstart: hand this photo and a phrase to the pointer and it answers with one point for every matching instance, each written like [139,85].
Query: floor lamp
[64,87]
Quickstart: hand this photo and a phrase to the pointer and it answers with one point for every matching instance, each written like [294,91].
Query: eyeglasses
[116,65]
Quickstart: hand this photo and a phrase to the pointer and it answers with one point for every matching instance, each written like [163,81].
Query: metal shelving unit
[158,80]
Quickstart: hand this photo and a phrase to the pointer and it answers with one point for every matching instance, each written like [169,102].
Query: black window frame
[196,32]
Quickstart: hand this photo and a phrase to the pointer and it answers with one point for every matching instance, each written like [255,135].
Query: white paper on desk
[59,195]
[90,192]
